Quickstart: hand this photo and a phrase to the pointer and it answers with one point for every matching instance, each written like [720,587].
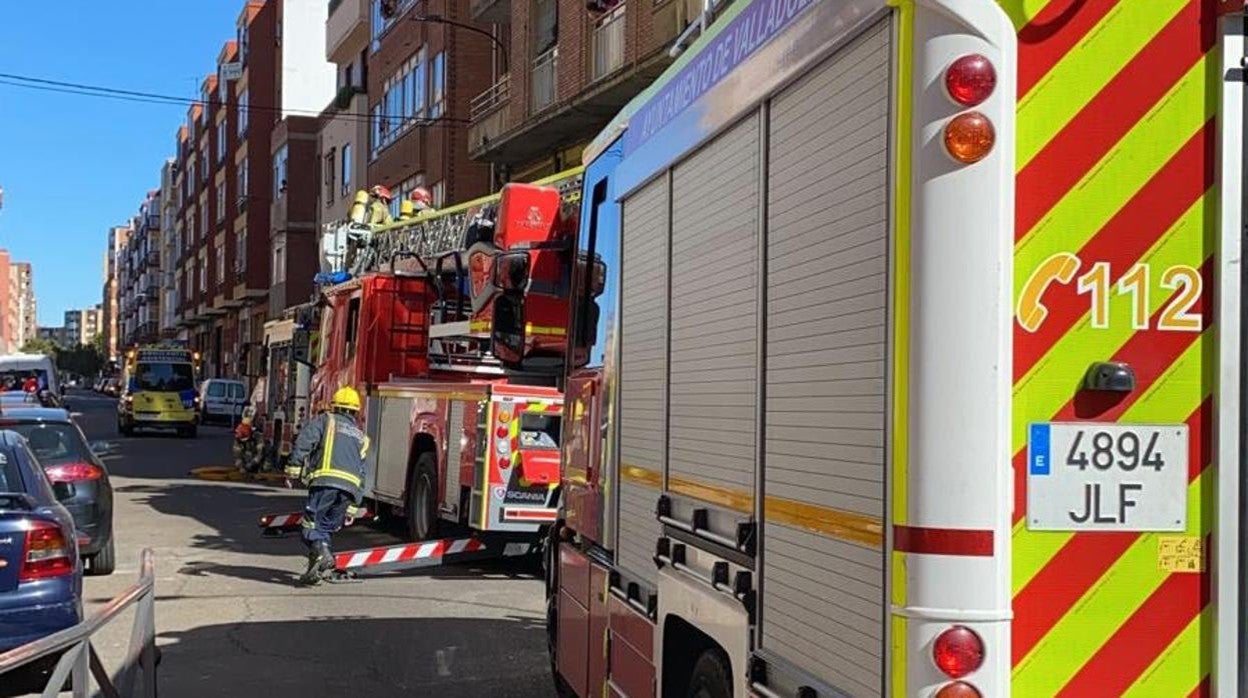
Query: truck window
[353,321]
[540,430]
[165,377]
[325,337]
[598,240]
[216,389]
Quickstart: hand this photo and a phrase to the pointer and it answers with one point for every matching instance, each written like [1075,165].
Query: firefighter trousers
[324,513]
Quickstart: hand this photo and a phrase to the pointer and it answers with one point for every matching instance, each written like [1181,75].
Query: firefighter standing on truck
[331,448]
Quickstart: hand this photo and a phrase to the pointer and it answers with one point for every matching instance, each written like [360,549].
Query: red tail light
[970,79]
[958,651]
[958,689]
[47,553]
[74,472]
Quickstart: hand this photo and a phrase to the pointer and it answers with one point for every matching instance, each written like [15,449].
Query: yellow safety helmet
[346,399]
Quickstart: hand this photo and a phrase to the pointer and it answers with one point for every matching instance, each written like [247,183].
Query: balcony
[496,96]
[346,29]
[545,82]
[608,44]
[493,11]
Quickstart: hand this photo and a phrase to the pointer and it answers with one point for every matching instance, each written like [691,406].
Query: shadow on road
[343,656]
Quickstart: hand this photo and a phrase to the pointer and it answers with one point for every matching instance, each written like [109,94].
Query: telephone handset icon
[1059,268]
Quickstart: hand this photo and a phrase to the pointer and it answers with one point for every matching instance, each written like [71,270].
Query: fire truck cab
[464,428]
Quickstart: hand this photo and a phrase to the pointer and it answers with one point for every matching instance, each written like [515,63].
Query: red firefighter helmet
[242,431]
[382,193]
[421,198]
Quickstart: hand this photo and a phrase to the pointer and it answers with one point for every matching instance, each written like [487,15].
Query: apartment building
[118,236]
[343,129]
[568,71]
[424,65]
[25,305]
[141,274]
[81,326]
[242,185]
[167,324]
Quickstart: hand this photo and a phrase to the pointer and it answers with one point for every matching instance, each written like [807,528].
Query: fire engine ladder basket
[78,660]
[454,343]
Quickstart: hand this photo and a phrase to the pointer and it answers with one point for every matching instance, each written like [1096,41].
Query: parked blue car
[40,569]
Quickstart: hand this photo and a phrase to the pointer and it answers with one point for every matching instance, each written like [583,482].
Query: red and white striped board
[431,553]
[272,521]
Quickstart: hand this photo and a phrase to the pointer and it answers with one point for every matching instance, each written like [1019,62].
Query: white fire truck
[906,375]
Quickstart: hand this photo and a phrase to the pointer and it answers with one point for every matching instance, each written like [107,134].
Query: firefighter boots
[320,563]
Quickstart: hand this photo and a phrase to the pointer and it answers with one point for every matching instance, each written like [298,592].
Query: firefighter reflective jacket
[332,449]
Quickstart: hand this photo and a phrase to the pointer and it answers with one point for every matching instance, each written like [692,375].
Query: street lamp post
[439,19]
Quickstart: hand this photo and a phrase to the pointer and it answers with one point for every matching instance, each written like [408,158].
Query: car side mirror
[101,448]
[63,490]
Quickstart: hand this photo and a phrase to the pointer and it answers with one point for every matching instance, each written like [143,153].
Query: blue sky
[72,166]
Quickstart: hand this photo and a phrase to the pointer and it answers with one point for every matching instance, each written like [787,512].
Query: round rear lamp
[958,651]
[958,689]
[970,80]
[969,137]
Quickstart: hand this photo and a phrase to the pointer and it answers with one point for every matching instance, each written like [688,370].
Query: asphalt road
[231,620]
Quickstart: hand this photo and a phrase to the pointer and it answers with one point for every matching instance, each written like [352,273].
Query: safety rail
[493,97]
[545,83]
[79,659]
[608,43]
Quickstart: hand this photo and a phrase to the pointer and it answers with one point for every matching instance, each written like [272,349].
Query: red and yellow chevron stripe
[1117,102]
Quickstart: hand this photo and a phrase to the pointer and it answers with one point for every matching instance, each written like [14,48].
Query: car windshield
[10,477]
[164,377]
[54,443]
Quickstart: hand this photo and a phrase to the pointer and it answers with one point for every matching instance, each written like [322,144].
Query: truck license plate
[1093,476]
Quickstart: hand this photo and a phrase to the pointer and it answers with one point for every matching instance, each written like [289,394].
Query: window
[346,169]
[243,188]
[244,112]
[240,252]
[417,80]
[221,201]
[279,263]
[375,136]
[221,141]
[353,320]
[243,43]
[279,172]
[331,172]
[403,191]
[190,174]
[216,389]
[220,264]
[203,219]
[203,273]
[438,194]
[437,101]
[203,168]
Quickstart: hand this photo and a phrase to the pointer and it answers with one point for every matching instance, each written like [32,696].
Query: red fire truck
[463,429]
[917,369]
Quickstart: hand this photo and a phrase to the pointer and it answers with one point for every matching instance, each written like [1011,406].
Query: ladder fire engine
[917,369]
[284,380]
[464,428]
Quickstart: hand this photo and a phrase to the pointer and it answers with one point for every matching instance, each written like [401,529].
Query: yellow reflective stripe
[340,474]
[551,331]
[1182,666]
[1101,611]
[1021,12]
[327,452]
[1083,344]
[1124,170]
[364,447]
[899,626]
[1169,395]
[327,468]
[1086,69]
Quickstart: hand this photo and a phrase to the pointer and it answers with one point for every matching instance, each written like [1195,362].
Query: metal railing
[79,659]
[486,102]
[545,80]
[608,43]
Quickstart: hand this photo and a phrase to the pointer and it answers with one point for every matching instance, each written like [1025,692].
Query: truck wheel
[422,504]
[104,562]
[711,677]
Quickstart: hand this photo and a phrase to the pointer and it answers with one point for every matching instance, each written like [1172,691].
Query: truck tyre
[103,562]
[711,677]
[422,496]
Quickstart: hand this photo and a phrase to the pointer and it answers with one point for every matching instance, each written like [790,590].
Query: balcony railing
[545,79]
[491,99]
[608,43]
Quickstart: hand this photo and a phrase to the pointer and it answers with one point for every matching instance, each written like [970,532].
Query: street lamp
[439,19]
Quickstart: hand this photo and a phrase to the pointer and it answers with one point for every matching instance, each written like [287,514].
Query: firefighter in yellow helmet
[331,448]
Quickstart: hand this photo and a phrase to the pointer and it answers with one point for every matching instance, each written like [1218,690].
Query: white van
[221,400]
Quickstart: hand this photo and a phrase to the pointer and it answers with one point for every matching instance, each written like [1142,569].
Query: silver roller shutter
[827,330]
[714,324]
[643,367]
